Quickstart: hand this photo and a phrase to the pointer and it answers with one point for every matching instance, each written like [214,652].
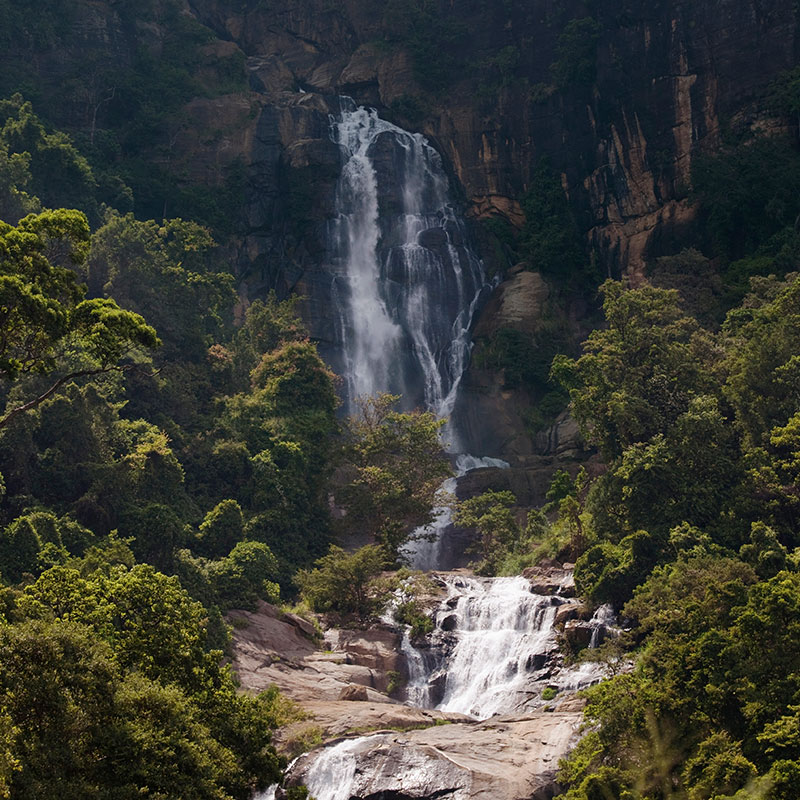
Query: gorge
[407,287]
[571,228]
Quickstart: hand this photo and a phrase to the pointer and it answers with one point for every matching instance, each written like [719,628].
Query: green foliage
[762,365]
[15,180]
[167,272]
[268,324]
[434,37]
[221,530]
[31,540]
[710,475]
[57,173]
[346,583]
[122,98]
[549,240]
[637,375]
[48,328]
[411,613]
[125,694]
[576,53]
[245,576]
[747,194]
[491,515]
[608,573]
[394,464]
[700,286]
[785,92]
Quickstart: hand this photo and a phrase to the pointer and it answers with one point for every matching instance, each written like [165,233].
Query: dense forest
[155,476]
[169,452]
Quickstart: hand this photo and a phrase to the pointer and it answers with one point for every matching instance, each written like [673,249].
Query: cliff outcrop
[618,102]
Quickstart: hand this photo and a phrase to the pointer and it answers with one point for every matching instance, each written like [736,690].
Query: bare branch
[31,404]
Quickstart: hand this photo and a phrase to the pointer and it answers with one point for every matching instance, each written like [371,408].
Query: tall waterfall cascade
[406,287]
[405,278]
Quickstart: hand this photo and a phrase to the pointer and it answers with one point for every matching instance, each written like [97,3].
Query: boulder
[354,692]
[578,633]
[503,759]
[551,580]
[449,623]
[517,303]
[377,648]
[433,238]
[570,611]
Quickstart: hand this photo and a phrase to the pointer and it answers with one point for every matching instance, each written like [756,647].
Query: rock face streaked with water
[495,647]
[505,759]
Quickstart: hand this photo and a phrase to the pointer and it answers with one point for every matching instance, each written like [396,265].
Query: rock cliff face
[667,76]
[619,103]
[664,80]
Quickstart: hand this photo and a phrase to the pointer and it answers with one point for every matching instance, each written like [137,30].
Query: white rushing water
[500,624]
[504,637]
[331,773]
[424,546]
[407,280]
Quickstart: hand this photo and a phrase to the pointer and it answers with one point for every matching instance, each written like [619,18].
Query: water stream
[408,286]
[494,649]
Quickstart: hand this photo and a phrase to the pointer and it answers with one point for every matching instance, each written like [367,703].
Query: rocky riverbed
[367,737]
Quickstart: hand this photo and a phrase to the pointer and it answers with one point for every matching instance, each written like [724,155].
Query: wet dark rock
[449,623]
[578,633]
[433,238]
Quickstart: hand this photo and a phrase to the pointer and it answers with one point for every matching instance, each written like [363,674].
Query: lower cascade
[495,648]
[493,653]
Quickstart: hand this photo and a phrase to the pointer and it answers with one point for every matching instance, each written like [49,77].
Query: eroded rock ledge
[341,682]
[501,759]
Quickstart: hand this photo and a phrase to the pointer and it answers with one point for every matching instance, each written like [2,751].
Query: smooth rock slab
[500,759]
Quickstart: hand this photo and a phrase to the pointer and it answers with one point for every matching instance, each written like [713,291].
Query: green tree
[91,729]
[59,175]
[168,272]
[762,365]
[549,240]
[394,464]
[15,178]
[491,515]
[221,530]
[244,576]
[637,375]
[346,582]
[576,53]
[45,320]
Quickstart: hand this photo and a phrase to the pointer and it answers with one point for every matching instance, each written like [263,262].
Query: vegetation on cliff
[692,532]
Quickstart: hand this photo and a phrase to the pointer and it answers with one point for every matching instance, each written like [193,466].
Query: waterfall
[500,624]
[406,287]
[331,775]
[423,549]
[408,283]
[494,649]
